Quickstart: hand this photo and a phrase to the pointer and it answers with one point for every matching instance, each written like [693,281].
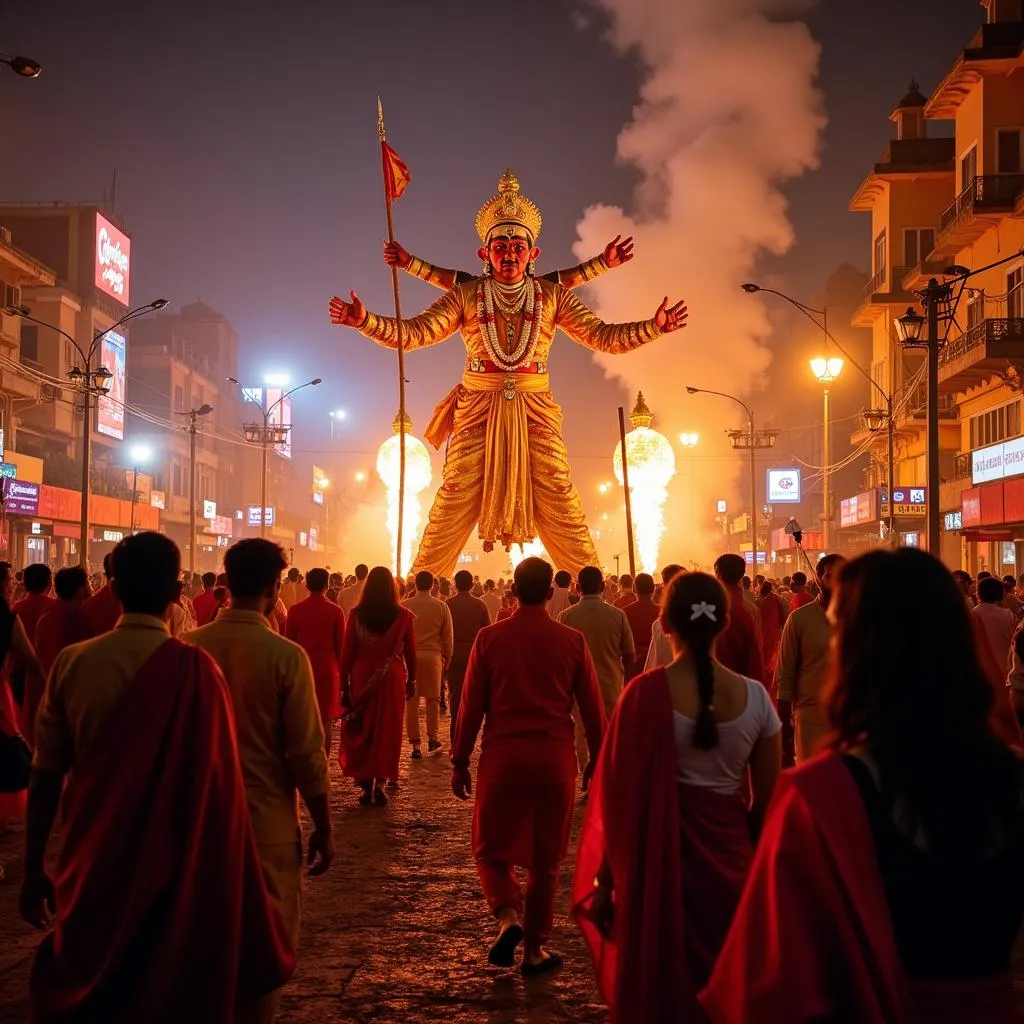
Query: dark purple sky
[245,147]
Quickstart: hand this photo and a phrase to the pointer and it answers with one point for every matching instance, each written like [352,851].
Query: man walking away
[65,623]
[525,674]
[350,595]
[103,609]
[318,627]
[560,596]
[803,668]
[469,615]
[626,593]
[641,615]
[280,741]
[739,644]
[998,621]
[433,632]
[491,599]
[158,907]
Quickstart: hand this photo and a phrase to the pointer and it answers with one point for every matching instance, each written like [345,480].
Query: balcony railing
[874,285]
[989,332]
[962,466]
[986,192]
[916,407]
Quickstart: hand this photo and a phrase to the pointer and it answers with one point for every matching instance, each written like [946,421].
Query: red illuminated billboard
[113,260]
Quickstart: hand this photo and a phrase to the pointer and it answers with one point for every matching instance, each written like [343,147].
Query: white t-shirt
[723,768]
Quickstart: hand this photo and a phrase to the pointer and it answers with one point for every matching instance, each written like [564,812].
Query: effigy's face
[509,258]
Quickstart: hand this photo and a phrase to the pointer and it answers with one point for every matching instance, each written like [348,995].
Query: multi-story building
[982,223]
[46,253]
[905,193]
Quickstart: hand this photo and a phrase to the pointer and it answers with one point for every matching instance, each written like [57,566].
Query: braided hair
[696,609]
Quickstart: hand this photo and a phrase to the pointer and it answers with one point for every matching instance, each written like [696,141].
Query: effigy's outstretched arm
[586,328]
[617,252]
[434,325]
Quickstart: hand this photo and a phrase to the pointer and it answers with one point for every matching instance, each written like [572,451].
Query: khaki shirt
[280,738]
[609,638]
[804,655]
[85,685]
[433,626]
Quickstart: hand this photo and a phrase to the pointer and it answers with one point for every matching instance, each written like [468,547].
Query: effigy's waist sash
[503,404]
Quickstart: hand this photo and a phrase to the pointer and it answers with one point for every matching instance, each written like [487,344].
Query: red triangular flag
[396,174]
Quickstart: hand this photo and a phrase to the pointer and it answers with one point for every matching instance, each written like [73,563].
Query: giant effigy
[506,470]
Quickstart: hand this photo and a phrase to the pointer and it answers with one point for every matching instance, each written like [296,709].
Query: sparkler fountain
[652,464]
[418,475]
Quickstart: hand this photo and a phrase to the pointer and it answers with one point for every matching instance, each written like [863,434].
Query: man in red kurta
[158,909]
[65,623]
[738,646]
[641,615]
[525,674]
[37,601]
[103,609]
[318,627]
[204,604]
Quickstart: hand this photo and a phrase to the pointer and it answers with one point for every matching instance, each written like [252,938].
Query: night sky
[244,142]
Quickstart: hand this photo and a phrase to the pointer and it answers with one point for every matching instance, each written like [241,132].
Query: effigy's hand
[396,256]
[670,318]
[618,251]
[347,314]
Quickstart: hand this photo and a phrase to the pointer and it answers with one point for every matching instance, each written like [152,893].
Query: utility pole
[935,293]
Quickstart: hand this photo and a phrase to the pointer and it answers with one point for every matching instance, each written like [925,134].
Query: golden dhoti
[506,471]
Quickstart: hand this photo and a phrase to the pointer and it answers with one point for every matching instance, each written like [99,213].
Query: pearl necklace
[509,299]
[521,349]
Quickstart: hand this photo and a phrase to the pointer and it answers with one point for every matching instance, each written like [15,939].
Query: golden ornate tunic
[506,469]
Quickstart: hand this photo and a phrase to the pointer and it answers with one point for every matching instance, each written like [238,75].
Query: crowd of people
[803,795]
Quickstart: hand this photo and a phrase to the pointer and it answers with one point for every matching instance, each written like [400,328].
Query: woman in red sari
[667,839]
[378,675]
[887,883]
[772,614]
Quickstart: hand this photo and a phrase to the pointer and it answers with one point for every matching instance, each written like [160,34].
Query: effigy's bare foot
[488,546]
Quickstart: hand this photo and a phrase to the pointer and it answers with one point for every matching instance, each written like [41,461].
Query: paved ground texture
[397,931]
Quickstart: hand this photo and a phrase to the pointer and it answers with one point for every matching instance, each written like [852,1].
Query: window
[975,308]
[996,425]
[179,401]
[880,374]
[177,480]
[29,343]
[880,254]
[917,244]
[1014,294]
[1008,151]
[968,167]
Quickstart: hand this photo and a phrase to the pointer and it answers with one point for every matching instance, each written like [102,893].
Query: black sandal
[503,952]
[550,963]
[380,798]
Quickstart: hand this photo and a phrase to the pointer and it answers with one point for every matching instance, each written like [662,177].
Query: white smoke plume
[728,112]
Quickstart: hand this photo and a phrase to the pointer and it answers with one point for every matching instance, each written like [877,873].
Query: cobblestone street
[396,931]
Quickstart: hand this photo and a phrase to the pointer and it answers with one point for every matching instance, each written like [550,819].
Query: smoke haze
[728,112]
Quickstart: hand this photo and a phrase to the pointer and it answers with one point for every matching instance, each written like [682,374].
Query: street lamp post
[267,435]
[873,417]
[826,370]
[90,381]
[193,416]
[753,441]
[337,416]
[141,454]
[24,67]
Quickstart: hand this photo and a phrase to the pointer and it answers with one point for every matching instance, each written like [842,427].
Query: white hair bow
[703,608]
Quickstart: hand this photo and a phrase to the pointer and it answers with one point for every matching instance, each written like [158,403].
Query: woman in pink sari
[378,675]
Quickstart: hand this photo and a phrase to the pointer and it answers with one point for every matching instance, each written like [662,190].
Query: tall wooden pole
[625,487]
[400,346]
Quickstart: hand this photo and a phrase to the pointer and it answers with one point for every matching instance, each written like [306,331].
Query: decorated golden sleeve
[439,277]
[586,328]
[431,327]
[575,276]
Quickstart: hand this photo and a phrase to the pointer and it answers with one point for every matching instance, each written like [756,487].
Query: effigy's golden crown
[641,415]
[508,213]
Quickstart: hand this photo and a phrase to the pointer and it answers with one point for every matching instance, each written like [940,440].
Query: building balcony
[914,411]
[918,277]
[880,292]
[970,216]
[983,352]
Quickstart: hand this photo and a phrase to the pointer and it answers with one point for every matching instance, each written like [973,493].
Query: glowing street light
[689,440]
[141,454]
[360,477]
[26,67]
[337,416]
[826,369]
[277,380]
